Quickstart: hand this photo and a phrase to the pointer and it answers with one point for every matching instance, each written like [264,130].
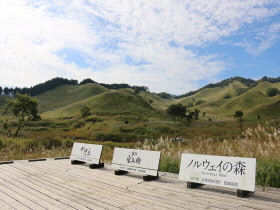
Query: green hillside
[263,86]
[67,94]
[114,102]
[213,94]
[267,111]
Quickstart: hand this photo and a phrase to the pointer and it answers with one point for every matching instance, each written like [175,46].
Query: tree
[176,111]
[88,80]
[85,112]
[1,90]
[189,118]
[136,91]
[23,108]
[239,117]
[196,113]
[270,92]
[6,91]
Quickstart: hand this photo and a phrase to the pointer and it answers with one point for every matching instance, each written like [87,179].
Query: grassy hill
[252,102]
[270,110]
[111,103]
[67,94]
[213,94]
[67,100]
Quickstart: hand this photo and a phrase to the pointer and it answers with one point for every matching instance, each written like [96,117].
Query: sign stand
[193,185]
[244,193]
[99,165]
[145,176]
[149,177]
[120,172]
[139,161]
[240,193]
[87,153]
[76,162]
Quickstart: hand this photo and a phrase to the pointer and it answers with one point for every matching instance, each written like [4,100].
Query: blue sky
[171,46]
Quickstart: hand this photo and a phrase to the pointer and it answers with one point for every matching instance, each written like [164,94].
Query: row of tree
[115,86]
[53,83]
[40,88]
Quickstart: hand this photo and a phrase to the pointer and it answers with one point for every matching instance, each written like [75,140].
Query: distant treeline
[53,83]
[115,86]
[248,82]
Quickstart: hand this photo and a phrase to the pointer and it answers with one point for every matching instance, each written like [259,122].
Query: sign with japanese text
[89,153]
[134,160]
[232,172]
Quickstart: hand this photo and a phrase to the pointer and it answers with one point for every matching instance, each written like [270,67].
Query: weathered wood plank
[218,197]
[46,200]
[56,184]
[75,196]
[230,197]
[148,193]
[117,192]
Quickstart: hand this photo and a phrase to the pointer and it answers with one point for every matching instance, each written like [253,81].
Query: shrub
[199,102]
[68,143]
[93,119]
[268,172]
[52,143]
[169,165]
[240,91]
[29,145]
[77,124]
[227,96]
[189,105]
[270,92]
[115,137]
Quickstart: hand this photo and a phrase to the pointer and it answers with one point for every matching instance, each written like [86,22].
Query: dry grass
[261,142]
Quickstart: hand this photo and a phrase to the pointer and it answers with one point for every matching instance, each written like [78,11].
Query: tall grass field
[262,142]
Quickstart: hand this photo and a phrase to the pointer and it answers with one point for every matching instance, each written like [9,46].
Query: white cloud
[106,32]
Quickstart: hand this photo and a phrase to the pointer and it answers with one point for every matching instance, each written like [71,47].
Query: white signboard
[232,172]
[139,161]
[89,153]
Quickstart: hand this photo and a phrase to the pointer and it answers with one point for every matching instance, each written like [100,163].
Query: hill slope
[115,102]
[67,94]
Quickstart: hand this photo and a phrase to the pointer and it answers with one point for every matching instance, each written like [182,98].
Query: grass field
[124,118]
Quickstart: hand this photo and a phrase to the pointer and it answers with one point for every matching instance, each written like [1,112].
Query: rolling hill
[67,100]
[111,103]
[67,94]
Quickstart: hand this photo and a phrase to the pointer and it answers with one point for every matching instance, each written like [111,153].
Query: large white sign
[89,153]
[232,172]
[139,161]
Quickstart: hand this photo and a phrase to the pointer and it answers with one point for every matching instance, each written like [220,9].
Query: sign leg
[244,193]
[192,185]
[75,162]
[120,172]
[93,166]
[149,177]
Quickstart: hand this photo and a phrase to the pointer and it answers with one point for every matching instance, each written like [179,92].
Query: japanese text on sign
[232,172]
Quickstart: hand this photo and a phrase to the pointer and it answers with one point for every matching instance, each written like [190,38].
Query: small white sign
[89,153]
[232,172]
[134,160]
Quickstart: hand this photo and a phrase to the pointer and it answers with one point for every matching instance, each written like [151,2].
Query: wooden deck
[56,184]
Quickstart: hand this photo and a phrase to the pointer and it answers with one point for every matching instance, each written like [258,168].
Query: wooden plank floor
[56,184]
